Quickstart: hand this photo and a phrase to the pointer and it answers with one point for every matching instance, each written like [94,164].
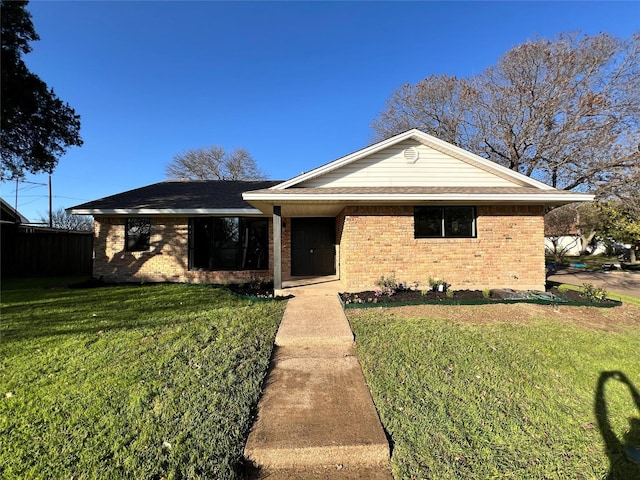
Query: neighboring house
[570,245]
[9,215]
[411,206]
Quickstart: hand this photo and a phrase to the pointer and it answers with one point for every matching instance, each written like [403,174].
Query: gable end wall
[389,168]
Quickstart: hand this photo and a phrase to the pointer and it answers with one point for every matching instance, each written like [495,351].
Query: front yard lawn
[504,391]
[129,381]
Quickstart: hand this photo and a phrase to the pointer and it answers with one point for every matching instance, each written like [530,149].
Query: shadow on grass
[624,455]
[69,311]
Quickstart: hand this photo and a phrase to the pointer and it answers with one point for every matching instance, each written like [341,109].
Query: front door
[313,246]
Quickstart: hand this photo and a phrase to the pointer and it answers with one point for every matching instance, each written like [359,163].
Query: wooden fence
[43,251]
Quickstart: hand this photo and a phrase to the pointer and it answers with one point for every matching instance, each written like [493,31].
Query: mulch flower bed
[462,297]
[410,296]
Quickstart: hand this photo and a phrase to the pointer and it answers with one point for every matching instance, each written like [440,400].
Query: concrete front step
[354,456]
[314,320]
[316,411]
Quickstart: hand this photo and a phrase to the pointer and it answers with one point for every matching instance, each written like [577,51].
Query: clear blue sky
[295,83]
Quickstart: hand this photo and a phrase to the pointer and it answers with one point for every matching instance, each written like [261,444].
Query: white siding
[389,168]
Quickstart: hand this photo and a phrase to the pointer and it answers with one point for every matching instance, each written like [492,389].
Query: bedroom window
[444,222]
[228,243]
[138,234]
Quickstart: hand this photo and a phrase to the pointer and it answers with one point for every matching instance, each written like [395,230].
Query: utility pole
[16,207]
[50,209]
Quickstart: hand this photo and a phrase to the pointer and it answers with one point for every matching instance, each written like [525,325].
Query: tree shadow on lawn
[624,455]
[74,312]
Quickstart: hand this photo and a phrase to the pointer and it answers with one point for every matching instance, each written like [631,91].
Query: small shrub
[449,293]
[486,293]
[379,293]
[593,293]
[435,283]
[388,286]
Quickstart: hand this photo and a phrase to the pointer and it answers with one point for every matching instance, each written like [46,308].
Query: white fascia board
[510,197]
[327,167]
[165,211]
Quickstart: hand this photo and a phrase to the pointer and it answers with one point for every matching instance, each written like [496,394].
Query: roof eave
[164,211]
[541,198]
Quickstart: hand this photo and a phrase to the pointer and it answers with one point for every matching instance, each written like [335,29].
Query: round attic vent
[411,154]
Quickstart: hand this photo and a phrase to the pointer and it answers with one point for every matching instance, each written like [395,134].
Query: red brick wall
[507,253]
[166,260]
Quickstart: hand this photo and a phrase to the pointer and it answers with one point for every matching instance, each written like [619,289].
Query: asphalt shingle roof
[178,195]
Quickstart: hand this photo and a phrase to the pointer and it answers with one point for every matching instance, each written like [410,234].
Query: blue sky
[295,83]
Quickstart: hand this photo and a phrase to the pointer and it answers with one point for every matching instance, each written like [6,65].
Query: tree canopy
[214,163]
[67,221]
[37,127]
[564,111]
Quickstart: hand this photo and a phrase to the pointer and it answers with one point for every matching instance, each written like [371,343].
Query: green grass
[502,400]
[151,381]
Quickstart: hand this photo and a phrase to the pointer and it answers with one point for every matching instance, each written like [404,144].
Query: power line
[70,198]
[31,196]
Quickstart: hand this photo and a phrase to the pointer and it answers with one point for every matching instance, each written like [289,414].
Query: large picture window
[229,243]
[138,234]
[447,222]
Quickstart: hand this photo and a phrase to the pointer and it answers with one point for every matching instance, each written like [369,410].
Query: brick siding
[167,259]
[371,242]
[507,253]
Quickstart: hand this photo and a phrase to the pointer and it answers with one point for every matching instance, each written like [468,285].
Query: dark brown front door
[313,246]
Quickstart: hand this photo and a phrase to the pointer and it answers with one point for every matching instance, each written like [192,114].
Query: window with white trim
[444,222]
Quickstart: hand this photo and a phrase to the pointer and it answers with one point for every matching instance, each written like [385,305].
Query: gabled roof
[179,198]
[411,168]
[427,140]
[380,174]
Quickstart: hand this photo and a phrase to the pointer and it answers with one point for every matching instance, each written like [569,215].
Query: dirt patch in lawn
[605,319]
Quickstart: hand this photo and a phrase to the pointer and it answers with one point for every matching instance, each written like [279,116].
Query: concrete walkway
[316,419]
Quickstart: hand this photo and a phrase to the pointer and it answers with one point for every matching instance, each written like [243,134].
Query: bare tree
[62,220]
[214,163]
[435,105]
[566,111]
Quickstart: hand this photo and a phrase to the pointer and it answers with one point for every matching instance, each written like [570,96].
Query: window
[229,243]
[138,234]
[448,222]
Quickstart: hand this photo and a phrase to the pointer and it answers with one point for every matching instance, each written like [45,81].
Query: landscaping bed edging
[372,299]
